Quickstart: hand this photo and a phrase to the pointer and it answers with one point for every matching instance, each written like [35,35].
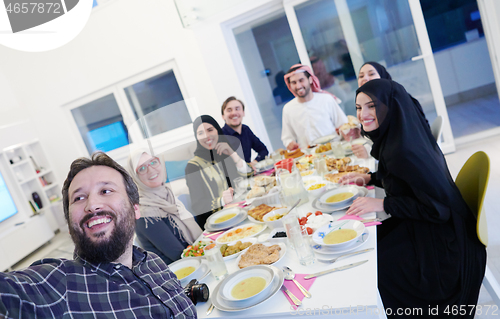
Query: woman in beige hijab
[165,227]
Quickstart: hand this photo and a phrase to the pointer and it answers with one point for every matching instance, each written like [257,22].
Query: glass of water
[215,262]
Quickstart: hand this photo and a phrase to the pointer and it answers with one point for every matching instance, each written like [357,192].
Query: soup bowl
[224,217]
[350,192]
[181,264]
[339,234]
[232,291]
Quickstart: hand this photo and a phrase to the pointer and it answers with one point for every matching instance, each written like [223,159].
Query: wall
[120,40]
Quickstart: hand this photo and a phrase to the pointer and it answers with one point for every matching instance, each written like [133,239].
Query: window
[146,105]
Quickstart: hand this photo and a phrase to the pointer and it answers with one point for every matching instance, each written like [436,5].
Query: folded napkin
[365,216]
[290,285]
[239,204]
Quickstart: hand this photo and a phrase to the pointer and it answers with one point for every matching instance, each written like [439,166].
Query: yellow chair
[472,181]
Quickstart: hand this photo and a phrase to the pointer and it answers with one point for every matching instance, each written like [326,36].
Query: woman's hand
[223,148]
[357,178]
[365,205]
[227,195]
[359,151]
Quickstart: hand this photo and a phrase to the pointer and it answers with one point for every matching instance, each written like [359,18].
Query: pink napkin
[239,204]
[290,285]
[212,237]
[370,187]
[359,218]
[268,172]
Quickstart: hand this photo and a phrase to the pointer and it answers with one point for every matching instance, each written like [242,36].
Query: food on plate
[240,233]
[324,148]
[258,212]
[351,130]
[224,218]
[226,250]
[262,185]
[184,272]
[275,217]
[279,234]
[248,287]
[336,163]
[302,167]
[316,186]
[339,236]
[196,249]
[294,153]
[259,254]
[311,221]
[306,173]
[264,181]
[339,197]
[334,178]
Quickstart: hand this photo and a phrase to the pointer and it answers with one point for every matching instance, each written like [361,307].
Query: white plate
[323,231]
[234,221]
[326,139]
[331,253]
[227,285]
[264,226]
[342,189]
[330,209]
[252,240]
[276,284]
[200,272]
[282,252]
[212,218]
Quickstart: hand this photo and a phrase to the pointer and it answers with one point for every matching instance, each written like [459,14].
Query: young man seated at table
[233,111]
[109,276]
[313,113]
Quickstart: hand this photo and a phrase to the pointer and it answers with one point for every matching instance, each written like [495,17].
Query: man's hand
[365,205]
[359,151]
[227,195]
[293,145]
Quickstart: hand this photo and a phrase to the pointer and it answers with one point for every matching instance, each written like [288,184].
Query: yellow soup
[184,272]
[339,197]
[224,218]
[339,236]
[248,287]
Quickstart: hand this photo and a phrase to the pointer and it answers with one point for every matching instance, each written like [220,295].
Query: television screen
[7,206]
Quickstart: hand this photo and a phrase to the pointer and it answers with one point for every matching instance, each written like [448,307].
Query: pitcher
[292,187]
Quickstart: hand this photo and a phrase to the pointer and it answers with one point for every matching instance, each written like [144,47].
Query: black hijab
[404,145]
[210,155]
[380,69]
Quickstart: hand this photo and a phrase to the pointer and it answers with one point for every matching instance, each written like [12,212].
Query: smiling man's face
[101,218]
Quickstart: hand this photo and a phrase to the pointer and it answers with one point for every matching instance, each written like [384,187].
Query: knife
[209,311]
[321,273]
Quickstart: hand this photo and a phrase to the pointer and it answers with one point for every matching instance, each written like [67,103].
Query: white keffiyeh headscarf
[160,202]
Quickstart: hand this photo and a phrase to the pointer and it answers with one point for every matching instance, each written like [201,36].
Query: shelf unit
[31,170]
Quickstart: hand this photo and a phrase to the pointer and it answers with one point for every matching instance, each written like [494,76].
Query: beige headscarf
[160,202]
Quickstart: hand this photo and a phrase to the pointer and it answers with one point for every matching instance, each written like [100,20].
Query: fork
[331,261]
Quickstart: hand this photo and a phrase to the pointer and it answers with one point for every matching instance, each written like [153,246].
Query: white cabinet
[33,174]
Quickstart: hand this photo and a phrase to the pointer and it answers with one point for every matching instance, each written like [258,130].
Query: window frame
[164,140]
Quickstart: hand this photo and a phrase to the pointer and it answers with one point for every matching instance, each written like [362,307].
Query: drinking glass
[215,262]
[338,150]
[298,238]
[320,166]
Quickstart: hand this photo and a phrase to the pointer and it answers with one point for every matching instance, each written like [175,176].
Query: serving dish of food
[261,254]
[196,249]
[240,232]
[256,214]
[232,251]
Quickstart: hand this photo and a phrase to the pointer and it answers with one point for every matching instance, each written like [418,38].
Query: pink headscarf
[315,86]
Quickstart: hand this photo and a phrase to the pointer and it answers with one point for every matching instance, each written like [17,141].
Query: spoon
[290,275]
[331,261]
[293,206]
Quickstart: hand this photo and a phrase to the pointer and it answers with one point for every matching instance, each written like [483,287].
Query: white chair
[437,127]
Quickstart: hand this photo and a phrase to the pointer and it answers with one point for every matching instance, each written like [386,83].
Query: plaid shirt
[61,288]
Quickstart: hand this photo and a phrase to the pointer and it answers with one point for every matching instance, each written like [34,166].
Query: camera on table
[196,291]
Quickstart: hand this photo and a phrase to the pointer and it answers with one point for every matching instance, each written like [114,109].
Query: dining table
[347,293]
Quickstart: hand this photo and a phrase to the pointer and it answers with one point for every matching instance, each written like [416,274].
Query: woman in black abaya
[429,254]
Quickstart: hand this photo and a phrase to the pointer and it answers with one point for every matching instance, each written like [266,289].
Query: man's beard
[106,250]
[306,92]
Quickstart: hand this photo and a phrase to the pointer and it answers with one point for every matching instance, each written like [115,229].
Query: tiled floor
[62,246]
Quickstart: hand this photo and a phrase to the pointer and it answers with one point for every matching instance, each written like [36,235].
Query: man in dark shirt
[108,277]
[233,111]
